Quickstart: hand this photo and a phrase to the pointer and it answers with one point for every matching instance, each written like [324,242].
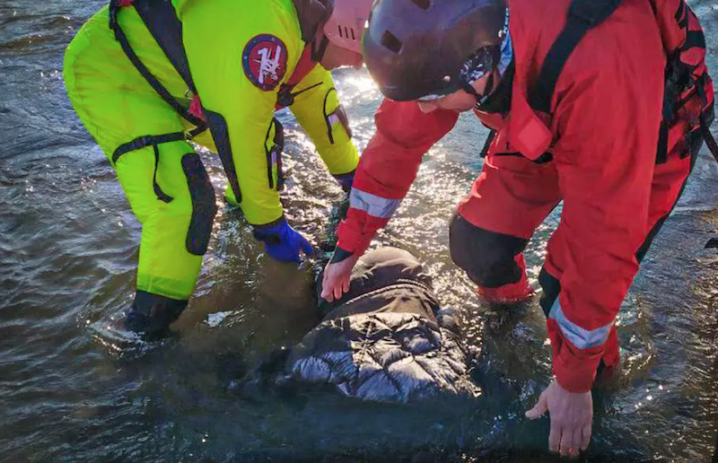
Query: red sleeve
[388,167]
[608,127]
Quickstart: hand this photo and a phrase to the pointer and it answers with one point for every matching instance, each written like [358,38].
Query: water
[68,250]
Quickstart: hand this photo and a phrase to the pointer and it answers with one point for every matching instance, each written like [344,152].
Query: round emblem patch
[265,61]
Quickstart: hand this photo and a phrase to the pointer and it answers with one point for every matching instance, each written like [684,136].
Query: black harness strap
[155,27]
[145,141]
[165,27]
[154,141]
[161,20]
[318,53]
[487,143]
[158,191]
[583,15]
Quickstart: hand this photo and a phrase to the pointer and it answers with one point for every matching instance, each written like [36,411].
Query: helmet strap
[318,53]
[468,88]
[488,88]
[480,97]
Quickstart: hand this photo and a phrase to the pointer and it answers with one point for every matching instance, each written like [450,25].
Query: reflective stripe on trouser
[117,106]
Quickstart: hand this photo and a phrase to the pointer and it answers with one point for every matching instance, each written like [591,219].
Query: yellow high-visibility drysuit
[145,76]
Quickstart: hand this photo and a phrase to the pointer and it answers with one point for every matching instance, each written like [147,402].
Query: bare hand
[571,416]
[336,278]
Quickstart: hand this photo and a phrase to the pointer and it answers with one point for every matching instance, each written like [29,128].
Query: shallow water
[67,258]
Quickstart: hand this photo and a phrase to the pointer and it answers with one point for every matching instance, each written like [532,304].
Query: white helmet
[347,23]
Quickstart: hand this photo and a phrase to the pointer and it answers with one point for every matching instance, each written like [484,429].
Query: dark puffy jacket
[386,340]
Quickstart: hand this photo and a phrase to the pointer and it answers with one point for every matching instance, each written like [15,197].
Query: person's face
[335,57]
[459,101]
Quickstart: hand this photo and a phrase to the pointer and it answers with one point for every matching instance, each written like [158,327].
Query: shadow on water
[67,259]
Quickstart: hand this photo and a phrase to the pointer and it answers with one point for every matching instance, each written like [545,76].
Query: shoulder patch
[265,61]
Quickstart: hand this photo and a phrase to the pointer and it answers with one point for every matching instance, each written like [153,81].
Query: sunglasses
[477,66]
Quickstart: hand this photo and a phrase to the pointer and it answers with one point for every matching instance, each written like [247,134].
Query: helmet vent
[390,41]
[423,4]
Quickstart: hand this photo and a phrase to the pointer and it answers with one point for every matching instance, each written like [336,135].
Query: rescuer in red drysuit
[601,104]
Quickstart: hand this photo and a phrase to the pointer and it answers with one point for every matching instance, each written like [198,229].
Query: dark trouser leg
[493,261]
[510,198]
[151,314]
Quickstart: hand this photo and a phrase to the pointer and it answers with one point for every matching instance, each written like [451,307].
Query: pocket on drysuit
[204,206]
[335,117]
[274,146]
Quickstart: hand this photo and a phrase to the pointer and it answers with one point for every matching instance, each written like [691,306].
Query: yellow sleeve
[322,117]
[240,53]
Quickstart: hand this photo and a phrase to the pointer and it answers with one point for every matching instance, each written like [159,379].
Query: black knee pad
[486,256]
[204,206]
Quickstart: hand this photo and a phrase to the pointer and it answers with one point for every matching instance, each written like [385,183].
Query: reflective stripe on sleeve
[373,205]
[580,337]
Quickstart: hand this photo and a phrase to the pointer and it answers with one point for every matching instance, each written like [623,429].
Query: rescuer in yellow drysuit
[147,76]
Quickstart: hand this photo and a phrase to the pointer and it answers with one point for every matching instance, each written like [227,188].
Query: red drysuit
[602,133]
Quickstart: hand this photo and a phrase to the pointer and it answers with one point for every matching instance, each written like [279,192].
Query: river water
[68,249]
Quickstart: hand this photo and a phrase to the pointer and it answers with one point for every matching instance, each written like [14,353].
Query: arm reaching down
[386,170]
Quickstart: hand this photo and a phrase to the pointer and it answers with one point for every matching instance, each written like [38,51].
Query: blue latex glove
[283,243]
[345,180]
